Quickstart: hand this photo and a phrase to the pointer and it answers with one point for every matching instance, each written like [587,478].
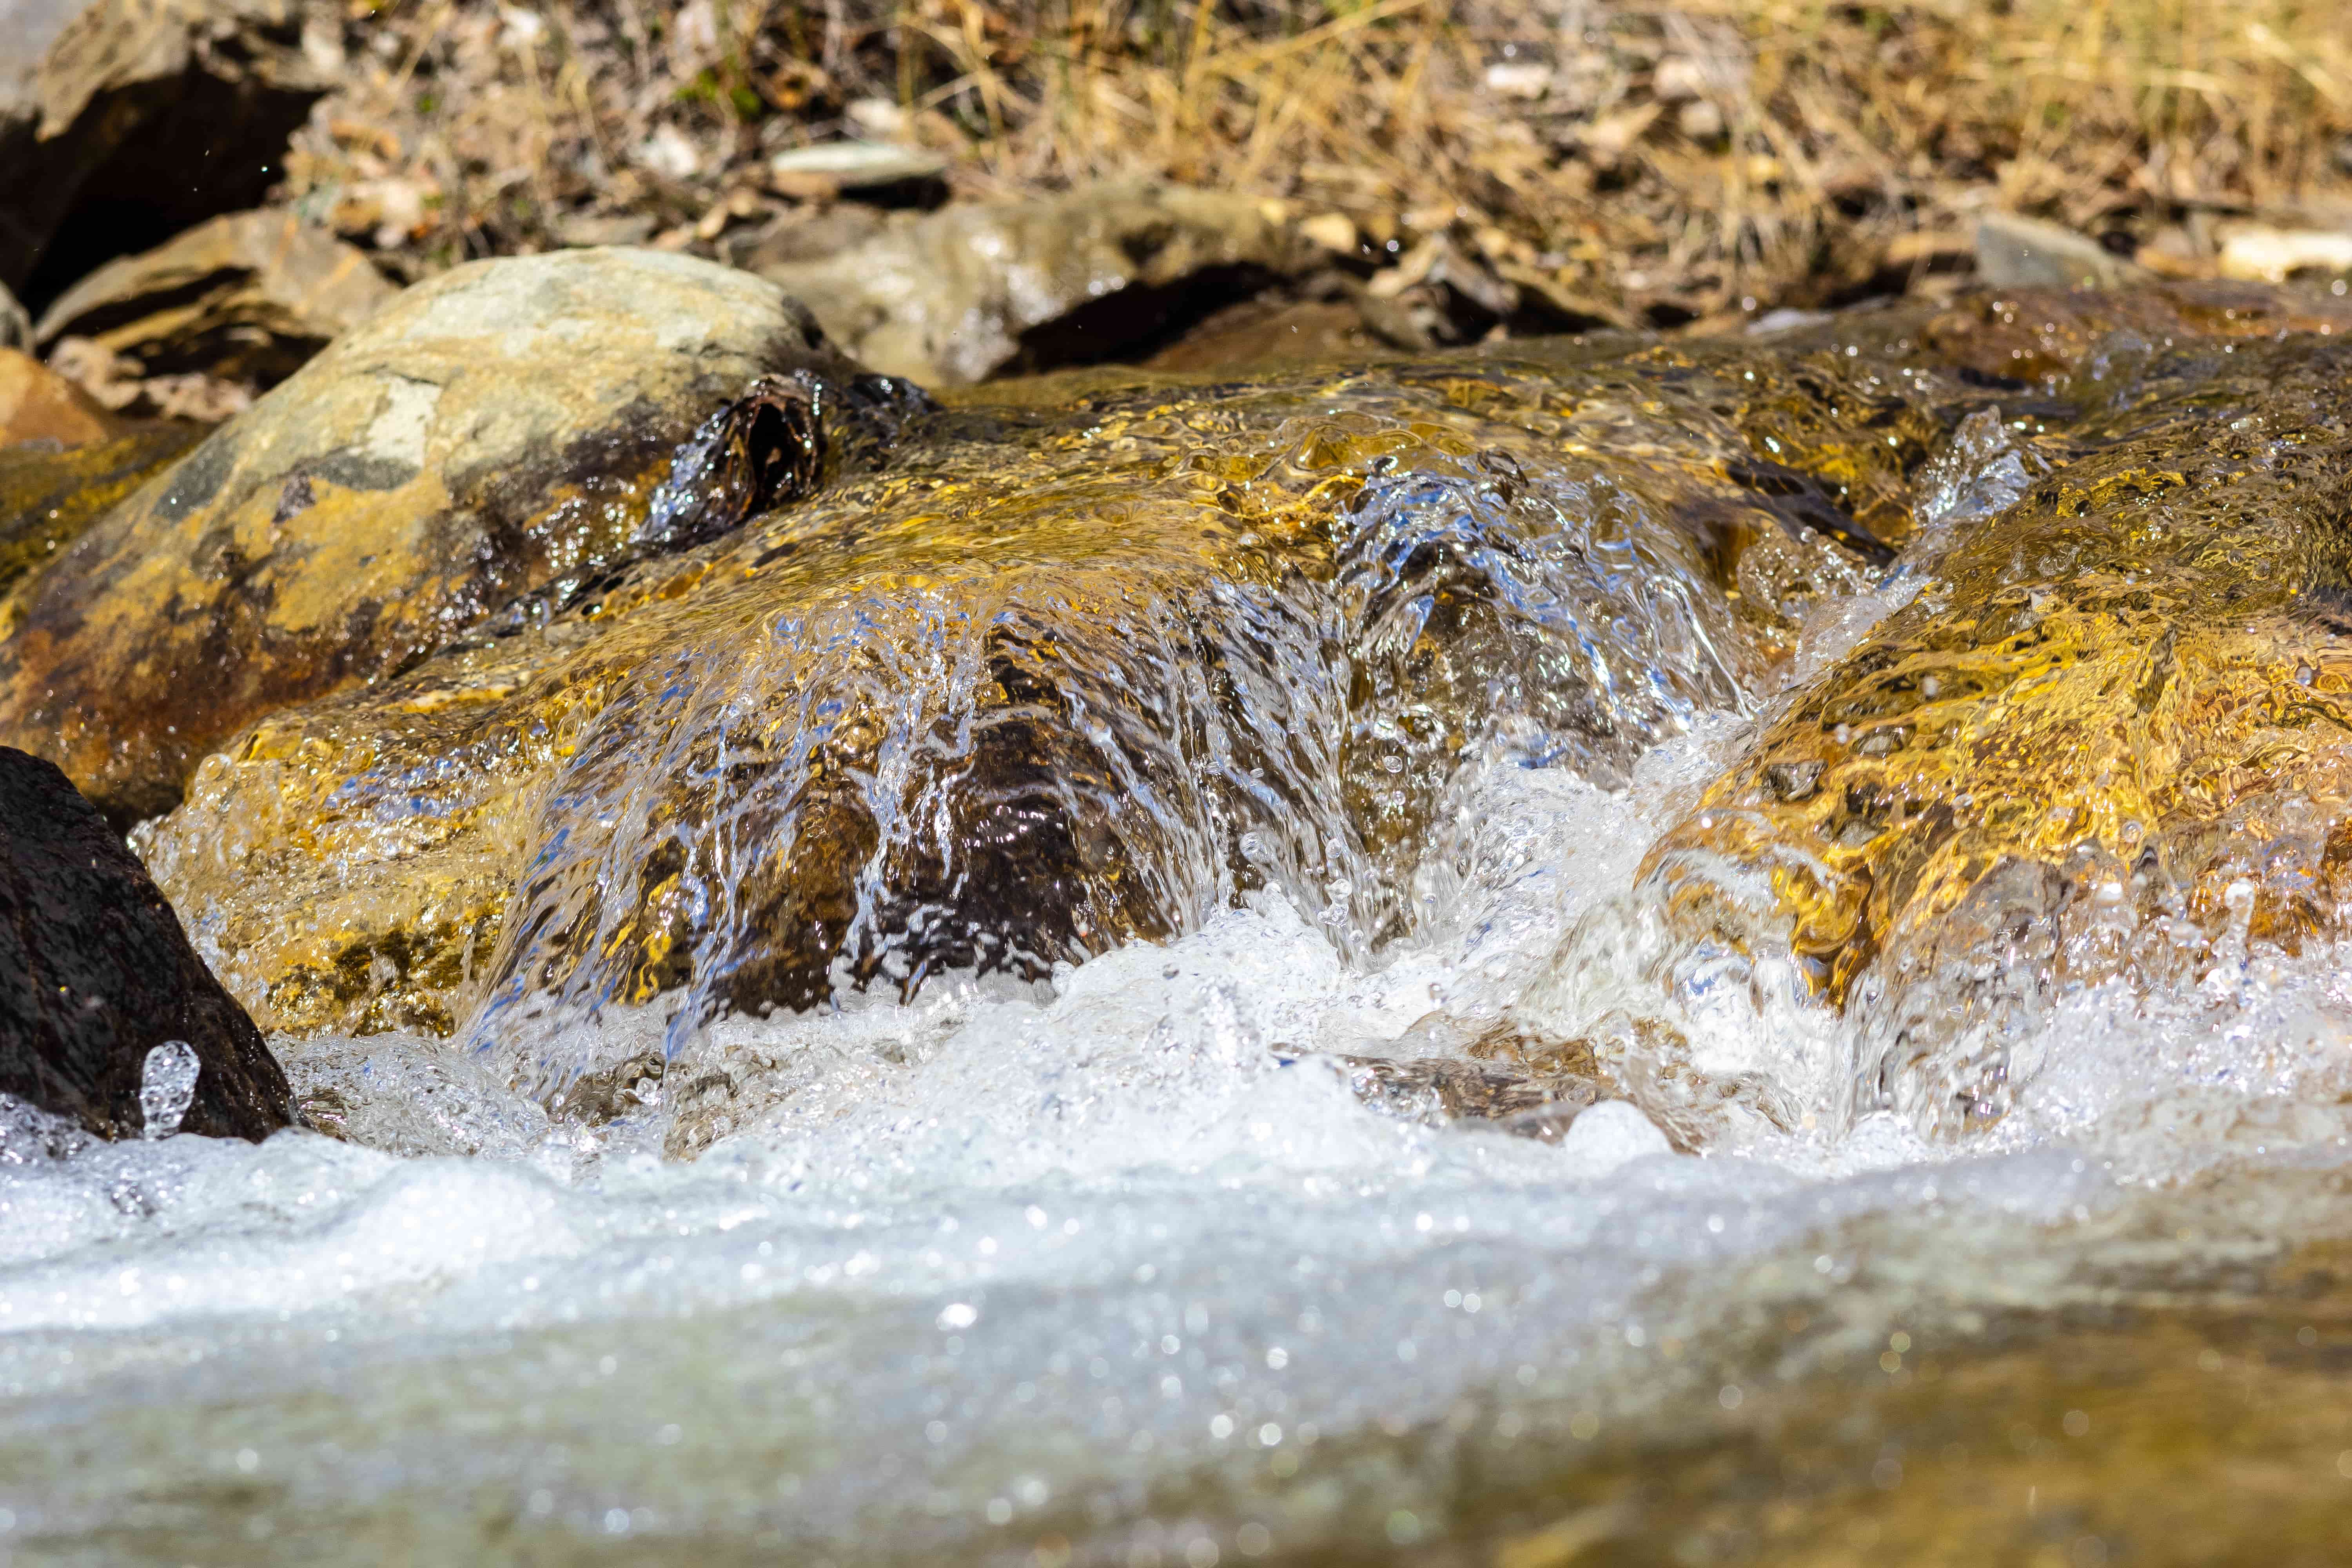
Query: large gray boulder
[125,122]
[488,431]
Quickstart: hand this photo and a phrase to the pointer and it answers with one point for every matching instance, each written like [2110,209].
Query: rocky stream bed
[1587,950]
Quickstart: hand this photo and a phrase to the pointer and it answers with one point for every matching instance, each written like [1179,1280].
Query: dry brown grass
[1681,159]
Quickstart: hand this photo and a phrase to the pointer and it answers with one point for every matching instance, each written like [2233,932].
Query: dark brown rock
[95,973]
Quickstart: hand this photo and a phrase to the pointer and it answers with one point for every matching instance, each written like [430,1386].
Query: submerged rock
[96,975]
[499,429]
[995,288]
[122,123]
[1076,669]
[2110,740]
[248,298]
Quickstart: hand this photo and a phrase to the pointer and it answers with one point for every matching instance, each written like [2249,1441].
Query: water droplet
[167,1087]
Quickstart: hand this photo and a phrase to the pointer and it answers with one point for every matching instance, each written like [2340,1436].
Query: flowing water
[1112,1239]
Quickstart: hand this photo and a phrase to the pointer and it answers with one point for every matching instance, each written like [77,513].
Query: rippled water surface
[1128,1252]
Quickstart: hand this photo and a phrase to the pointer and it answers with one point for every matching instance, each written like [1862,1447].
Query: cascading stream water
[1184,973]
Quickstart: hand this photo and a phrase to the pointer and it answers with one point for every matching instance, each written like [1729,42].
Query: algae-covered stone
[48,495]
[1074,669]
[490,431]
[2109,740]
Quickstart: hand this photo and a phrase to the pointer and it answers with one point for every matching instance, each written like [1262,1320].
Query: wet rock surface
[125,122]
[97,973]
[1064,673]
[2099,736]
[1969,678]
[48,495]
[502,427]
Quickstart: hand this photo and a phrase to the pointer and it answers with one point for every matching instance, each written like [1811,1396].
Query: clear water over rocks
[1604,954]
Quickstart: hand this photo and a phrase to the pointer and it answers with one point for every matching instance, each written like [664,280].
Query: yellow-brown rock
[1080,666]
[2111,739]
[488,432]
[48,495]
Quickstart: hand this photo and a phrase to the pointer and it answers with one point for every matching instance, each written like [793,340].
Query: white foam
[1009,1245]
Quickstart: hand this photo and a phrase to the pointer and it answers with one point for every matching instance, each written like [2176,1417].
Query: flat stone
[2269,254]
[246,297]
[488,431]
[858,165]
[95,973]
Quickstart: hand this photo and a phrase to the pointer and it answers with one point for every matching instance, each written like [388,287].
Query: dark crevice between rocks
[1134,322]
[147,188]
[1805,504]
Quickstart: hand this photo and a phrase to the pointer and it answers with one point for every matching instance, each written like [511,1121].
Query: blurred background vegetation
[1670,164]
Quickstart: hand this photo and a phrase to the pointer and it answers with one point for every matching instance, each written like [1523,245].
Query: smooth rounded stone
[1078,667]
[125,122]
[247,296]
[36,403]
[96,976]
[2110,739]
[488,432]
[993,287]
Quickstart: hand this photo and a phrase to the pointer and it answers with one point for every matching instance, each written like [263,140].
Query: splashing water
[167,1087]
[1108,1255]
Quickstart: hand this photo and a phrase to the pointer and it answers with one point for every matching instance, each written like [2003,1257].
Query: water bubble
[167,1087]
